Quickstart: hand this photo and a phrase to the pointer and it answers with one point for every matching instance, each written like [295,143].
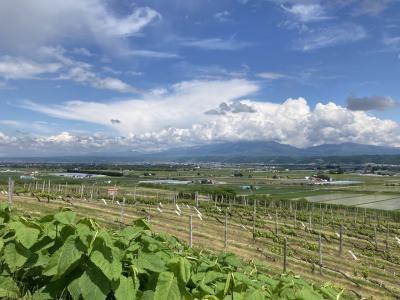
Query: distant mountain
[350,149]
[234,149]
[238,152]
[274,149]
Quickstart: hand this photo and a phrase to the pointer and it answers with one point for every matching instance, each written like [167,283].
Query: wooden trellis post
[276,222]
[190,231]
[254,219]
[387,237]
[226,232]
[284,255]
[10,191]
[122,211]
[341,240]
[320,253]
[375,238]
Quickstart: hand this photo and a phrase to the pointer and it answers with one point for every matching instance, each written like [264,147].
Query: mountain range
[274,149]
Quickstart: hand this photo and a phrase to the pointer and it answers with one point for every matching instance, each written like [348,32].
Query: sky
[97,76]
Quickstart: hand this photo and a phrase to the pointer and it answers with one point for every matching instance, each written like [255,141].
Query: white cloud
[180,106]
[329,36]
[392,43]
[307,12]
[18,68]
[222,16]
[50,22]
[216,44]
[272,76]
[60,67]
[82,51]
[179,117]
[152,54]
[371,7]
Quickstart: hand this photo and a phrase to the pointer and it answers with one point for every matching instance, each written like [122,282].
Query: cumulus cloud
[194,112]
[370,103]
[235,108]
[49,22]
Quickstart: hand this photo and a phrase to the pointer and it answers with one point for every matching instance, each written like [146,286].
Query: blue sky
[86,76]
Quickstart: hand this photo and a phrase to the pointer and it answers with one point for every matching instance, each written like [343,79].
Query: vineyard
[356,249]
[60,257]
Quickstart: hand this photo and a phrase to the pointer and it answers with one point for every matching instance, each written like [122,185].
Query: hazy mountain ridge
[264,149]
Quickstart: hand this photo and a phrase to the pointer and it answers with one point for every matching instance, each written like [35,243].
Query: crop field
[253,225]
[384,202]
[391,204]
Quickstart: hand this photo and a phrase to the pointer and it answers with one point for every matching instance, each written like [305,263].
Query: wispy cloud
[273,76]
[216,44]
[392,43]
[330,36]
[60,67]
[222,16]
[152,54]
[48,22]
[371,7]
[18,68]
[307,12]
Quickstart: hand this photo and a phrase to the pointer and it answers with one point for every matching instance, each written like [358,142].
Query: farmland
[258,221]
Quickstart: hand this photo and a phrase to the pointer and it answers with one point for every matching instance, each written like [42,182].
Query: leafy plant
[58,256]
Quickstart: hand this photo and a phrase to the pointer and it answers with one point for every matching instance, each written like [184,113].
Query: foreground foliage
[58,256]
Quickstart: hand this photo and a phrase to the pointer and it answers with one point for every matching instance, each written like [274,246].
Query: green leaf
[254,295]
[167,287]
[227,283]
[181,268]
[15,256]
[5,213]
[26,235]
[126,289]
[65,217]
[8,288]
[150,262]
[142,223]
[307,293]
[91,285]
[65,259]
[107,260]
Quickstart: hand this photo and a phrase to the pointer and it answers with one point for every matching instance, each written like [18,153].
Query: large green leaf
[65,217]
[150,262]
[126,289]
[15,256]
[180,266]
[5,213]
[8,288]
[65,259]
[107,260]
[92,285]
[254,294]
[26,235]
[167,287]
